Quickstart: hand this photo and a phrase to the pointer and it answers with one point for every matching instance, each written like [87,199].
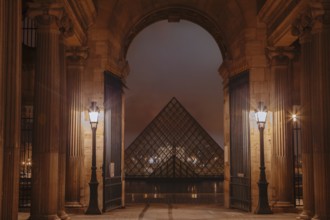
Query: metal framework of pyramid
[174,145]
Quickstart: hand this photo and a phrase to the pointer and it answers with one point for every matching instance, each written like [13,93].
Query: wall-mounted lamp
[294,117]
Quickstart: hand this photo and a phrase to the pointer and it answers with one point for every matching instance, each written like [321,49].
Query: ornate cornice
[303,23]
[82,14]
[279,16]
[313,19]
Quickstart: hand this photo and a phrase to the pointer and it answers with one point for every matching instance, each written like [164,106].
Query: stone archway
[119,24]
[174,14]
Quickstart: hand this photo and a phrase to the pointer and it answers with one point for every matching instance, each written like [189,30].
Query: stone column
[320,107]
[282,140]
[2,57]
[11,106]
[75,67]
[64,136]
[302,29]
[46,130]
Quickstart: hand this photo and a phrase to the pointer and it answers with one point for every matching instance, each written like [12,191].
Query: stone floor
[177,212]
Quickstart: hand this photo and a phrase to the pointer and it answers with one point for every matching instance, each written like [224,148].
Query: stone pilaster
[75,67]
[10,106]
[320,108]
[224,72]
[302,28]
[281,75]
[46,130]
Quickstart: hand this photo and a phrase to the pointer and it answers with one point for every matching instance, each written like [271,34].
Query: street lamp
[263,206]
[93,207]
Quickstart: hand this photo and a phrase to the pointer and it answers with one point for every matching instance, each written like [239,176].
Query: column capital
[76,55]
[46,15]
[281,54]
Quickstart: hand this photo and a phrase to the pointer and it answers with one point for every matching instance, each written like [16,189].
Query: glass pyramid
[174,145]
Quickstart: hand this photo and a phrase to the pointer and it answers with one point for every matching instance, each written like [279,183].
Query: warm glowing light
[261,114]
[294,117]
[93,114]
[93,117]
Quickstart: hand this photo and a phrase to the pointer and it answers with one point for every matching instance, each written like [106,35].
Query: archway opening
[181,60]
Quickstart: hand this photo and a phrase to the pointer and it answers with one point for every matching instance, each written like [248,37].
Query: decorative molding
[311,20]
[320,12]
[66,26]
[273,13]
[119,68]
[82,14]
[229,68]
[240,65]
[303,23]
[224,73]
[279,16]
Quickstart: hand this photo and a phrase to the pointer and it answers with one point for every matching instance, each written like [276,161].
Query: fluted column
[320,108]
[2,92]
[11,106]
[64,137]
[46,130]
[282,144]
[75,67]
[302,28]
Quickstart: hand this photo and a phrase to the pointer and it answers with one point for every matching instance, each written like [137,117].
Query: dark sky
[174,60]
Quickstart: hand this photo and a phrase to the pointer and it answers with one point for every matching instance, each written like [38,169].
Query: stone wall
[93,90]
[248,53]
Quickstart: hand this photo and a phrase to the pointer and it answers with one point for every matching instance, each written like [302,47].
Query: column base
[304,216]
[320,217]
[44,217]
[316,217]
[279,206]
[63,215]
[74,207]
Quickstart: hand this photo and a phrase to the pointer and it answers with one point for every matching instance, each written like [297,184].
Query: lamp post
[93,207]
[263,206]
